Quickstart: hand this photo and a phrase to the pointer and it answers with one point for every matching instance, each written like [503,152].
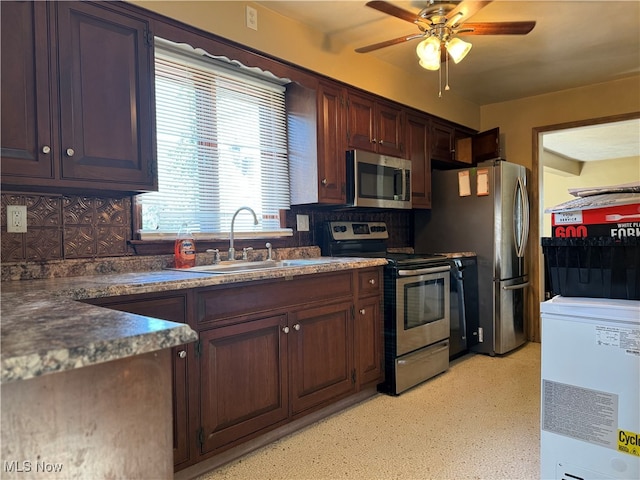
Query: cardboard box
[609,215]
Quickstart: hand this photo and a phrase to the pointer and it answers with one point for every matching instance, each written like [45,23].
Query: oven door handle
[423,271]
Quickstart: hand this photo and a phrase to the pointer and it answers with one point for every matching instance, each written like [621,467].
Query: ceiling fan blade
[388,43]
[392,10]
[497,28]
[466,9]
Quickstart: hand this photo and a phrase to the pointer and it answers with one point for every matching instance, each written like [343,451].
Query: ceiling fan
[441,23]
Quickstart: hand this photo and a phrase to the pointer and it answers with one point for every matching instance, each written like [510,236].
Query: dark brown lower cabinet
[269,352]
[257,374]
[321,354]
[243,380]
[368,340]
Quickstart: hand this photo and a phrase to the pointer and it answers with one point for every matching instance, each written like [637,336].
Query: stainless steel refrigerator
[485,210]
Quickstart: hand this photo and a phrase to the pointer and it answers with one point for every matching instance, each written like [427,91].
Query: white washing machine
[590,400]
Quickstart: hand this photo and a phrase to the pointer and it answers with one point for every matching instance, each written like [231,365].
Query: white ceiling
[596,142]
[574,43]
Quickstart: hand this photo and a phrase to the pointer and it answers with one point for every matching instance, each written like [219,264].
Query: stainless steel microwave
[375,180]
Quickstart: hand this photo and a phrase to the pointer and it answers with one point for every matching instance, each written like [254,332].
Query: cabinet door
[418,153]
[442,141]
[368,336]
[172,308]
[321,346]
[26,119]
[105,63]
[243,380]
[390,129]
[486,145]
[331,145]
[360,123]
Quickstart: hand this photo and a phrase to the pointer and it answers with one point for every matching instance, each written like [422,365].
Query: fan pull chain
[439,83]
[446,63]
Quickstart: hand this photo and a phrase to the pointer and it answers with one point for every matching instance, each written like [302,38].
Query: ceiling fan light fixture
[428,51]
[434,65]
[458,49]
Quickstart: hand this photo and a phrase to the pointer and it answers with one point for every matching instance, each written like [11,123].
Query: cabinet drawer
[369,281]
[251,297]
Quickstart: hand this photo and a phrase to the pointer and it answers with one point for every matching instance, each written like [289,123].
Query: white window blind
[221,140]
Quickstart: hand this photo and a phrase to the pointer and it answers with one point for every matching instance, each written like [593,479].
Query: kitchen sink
[241,266]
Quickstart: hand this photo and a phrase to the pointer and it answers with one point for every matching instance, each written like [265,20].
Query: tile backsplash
[66,227]
[63,227]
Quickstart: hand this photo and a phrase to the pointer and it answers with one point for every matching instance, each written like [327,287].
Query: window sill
[163,244]
[219,236]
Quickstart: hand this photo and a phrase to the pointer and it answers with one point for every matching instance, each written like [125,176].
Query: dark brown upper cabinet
[375,125]
[317,143]
[331,144]
[418,152]
[486,145]
[442,137]
[77,98]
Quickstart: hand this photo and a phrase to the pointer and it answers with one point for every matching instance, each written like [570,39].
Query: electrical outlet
[16,218]
[302,223]
[252,18]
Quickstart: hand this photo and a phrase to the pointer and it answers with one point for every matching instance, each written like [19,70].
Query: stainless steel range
[416,302]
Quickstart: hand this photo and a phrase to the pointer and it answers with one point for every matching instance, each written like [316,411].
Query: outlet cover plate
[302,222]
[16,219]
[252,18]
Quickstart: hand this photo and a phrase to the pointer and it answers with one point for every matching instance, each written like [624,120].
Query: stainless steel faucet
[232,251]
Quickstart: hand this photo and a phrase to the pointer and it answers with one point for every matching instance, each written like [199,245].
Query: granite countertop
[46,330]
[458,254]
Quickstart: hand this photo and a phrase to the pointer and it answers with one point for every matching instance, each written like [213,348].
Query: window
[221,136]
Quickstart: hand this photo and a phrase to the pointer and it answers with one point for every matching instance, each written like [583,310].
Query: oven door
[422,307]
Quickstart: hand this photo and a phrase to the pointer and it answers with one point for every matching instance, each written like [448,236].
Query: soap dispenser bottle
[185,248]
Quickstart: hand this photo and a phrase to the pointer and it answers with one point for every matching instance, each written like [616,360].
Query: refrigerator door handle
[516,287]
[520,237]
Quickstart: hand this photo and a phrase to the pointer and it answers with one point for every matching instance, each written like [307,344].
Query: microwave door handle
[403,193]
[403,185]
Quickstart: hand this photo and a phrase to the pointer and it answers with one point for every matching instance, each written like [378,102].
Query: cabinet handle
[46,149]
[285,329]
[324,181]
[182,353]
[381,142]
[374,140]
[296,327]
[362,312]
[70,152]
[372,281]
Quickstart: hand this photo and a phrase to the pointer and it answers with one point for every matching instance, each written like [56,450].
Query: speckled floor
[478,420]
